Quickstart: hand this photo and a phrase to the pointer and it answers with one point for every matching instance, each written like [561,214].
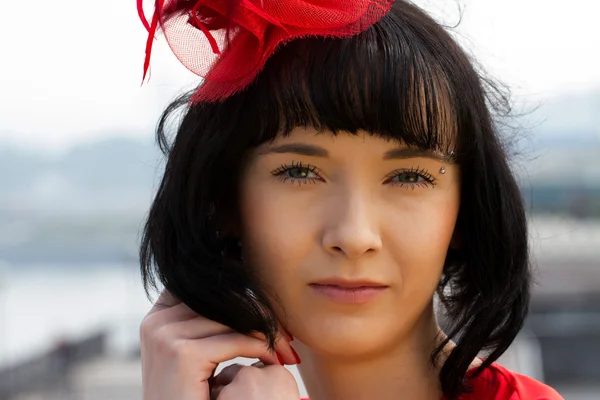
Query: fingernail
[280,359]
[295,355]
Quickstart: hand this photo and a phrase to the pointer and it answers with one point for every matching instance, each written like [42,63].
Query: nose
[352,227]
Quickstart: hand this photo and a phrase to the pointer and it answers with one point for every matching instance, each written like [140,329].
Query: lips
[349,283]
[348,291]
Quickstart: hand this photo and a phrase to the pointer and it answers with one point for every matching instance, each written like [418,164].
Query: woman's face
[323,216]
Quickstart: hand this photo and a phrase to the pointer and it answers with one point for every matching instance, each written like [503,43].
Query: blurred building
[565,309]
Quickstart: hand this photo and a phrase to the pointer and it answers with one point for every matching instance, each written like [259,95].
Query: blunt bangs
[388,81]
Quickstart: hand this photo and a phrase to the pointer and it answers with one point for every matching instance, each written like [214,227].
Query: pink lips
[350,292]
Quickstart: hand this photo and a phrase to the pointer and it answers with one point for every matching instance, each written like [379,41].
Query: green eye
[297,173]
[411,178]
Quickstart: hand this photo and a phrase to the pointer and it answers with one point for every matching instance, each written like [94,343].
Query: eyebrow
[298,148]
[316,151]
[408,152]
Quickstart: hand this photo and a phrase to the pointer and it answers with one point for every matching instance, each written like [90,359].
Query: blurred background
[78,167]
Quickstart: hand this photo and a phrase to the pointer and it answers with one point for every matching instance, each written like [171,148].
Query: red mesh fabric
[227,42]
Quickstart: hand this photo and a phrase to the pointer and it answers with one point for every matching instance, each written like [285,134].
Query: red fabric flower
[227,42]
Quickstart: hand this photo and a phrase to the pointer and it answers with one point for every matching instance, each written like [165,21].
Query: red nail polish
[296,355]
[279,359]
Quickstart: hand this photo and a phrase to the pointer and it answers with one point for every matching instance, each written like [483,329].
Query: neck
[401,372]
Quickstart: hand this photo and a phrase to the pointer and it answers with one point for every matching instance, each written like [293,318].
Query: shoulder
[508,385]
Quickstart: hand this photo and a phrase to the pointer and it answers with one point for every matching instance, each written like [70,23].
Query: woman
[338,169]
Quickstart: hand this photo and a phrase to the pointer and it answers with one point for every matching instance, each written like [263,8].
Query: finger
[283,346]
[179,312]
[227,375]
[286,354]
[196,328]
[278,360]
[165,300]
[284,330]
[162,320]
[221,348]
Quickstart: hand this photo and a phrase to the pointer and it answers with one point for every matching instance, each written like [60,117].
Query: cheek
[276,234]
[419,237]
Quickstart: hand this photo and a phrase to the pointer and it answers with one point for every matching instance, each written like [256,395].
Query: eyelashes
[297,173]
[300,174]
[411,178]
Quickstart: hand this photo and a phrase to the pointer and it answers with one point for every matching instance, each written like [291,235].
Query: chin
[347,336]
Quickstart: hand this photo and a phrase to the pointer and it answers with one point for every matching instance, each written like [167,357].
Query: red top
[498,383]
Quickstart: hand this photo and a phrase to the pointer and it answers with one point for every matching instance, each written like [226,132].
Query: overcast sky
[71,71]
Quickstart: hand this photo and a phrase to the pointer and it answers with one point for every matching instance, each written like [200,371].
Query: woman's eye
[411,178]
[300,173]
[408,177]
[297,173]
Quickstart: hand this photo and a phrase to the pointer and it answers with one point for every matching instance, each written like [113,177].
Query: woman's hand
[181,351]
[256,382]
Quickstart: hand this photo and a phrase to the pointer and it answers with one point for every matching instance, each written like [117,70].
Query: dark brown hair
[404,78]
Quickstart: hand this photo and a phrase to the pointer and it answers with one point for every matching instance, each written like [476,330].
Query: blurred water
[39,304]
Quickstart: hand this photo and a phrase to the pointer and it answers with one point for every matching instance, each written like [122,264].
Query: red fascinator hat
[227,42]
